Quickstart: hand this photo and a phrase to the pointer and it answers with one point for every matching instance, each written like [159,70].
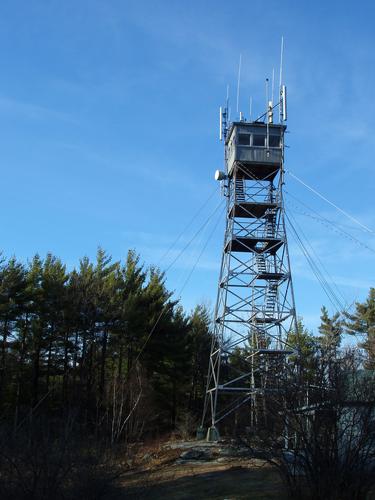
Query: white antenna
[281,79]
[270,112]
[273,84]
[266,113]
[251,108]
[281,61]
[223,117]
[238,82]
[284,111]
[221,124]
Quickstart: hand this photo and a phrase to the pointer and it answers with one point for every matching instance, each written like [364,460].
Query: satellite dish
[219,175]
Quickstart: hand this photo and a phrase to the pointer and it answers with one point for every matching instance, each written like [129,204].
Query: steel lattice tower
[255,307]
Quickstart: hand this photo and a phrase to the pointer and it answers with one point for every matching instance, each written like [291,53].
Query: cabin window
[244,139]
[259,140]
[274,141]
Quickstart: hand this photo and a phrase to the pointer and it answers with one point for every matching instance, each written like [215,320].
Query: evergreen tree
[12,302]
[128,336]
[362,323]
[304,342]
[53,280]
[108,341]
[199,345]
[36,313]
[330,331]
[106,302]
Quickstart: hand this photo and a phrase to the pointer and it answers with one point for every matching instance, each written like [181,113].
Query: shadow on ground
[233,483]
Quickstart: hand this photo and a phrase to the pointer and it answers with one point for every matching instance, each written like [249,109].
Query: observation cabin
[255,148]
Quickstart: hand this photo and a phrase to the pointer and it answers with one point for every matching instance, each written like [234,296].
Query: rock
[195,454]
[226,452]
[146,458]
[192,455]
[231,451]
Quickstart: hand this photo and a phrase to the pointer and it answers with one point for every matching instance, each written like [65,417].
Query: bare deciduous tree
[322,436]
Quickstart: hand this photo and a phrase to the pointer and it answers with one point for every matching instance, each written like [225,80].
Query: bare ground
[164,475]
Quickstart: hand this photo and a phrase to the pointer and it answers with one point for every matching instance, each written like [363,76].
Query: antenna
[281,61]
[281,78]
[251,108]
[221,123]
[238,82]
[227,110]
[283,108]
[273,84]
[270,112]
[267,117]
[224,117]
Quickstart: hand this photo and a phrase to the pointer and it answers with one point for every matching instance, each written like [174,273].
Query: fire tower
[255,307]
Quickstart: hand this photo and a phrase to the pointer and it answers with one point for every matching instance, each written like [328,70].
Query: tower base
[212,434]
[201,433]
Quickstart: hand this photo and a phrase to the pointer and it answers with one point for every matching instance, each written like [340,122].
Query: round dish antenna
[219,175]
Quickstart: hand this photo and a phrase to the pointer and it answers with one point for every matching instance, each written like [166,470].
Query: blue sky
[109,121]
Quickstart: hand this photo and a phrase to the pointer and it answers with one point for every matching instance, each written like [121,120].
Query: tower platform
[252,209]
[270,276]
[249,244]
[255,171]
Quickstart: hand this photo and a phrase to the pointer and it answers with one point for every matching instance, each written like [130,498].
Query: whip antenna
[281,79]
[238,82]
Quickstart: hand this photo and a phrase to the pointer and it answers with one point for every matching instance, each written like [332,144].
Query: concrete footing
[201,433]
[212,434]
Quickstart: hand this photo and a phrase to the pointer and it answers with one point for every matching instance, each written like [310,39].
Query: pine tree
[362,323]
[330,331]
[53,280]
[107,282]
[199,342]
[305,344]
[12,302]
[127,336]
[35,337]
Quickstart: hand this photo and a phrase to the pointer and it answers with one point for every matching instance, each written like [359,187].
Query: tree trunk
[36,374]
[102,364]
[120,360]
[65,374]
[19,372]
[48,372]
[3,359]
